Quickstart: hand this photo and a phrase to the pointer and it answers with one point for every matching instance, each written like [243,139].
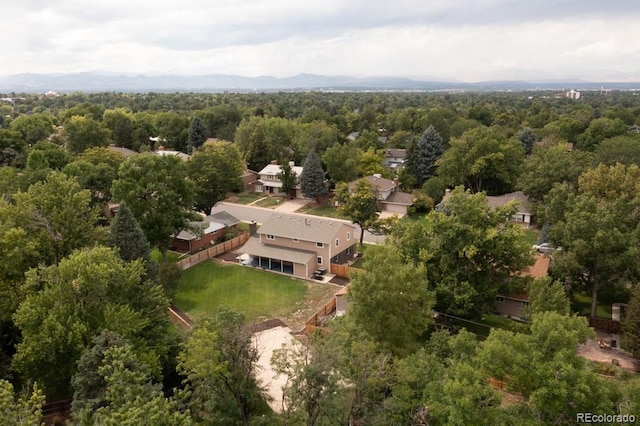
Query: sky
[449,40]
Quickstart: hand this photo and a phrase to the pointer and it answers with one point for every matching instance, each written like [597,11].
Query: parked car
[546,248]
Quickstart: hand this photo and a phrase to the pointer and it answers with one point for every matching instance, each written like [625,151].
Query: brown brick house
[214,227]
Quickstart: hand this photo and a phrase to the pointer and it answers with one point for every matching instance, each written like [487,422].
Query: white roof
[276,169]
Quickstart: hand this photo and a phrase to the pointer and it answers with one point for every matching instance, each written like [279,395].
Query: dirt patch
[318,295]
[605,355]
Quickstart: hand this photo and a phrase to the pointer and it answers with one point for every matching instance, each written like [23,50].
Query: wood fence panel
[343,271]
[213,251]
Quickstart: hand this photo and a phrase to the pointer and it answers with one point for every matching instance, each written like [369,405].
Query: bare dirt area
[599,350]
[318,295]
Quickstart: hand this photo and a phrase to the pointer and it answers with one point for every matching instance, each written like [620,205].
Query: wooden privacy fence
[607,325]
[343,271]
[318,319]
[213,251]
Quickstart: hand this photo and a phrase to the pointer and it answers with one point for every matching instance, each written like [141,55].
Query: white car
[546,248]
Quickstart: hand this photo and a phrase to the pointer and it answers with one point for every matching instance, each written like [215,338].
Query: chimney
[253,228]
[274,162]
[396,182]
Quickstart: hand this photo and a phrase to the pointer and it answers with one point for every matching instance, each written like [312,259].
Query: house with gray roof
[300,245]
[269,179]
[205,232]
[524,213]
[390,198]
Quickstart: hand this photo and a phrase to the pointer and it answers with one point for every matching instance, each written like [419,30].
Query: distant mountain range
[114,82]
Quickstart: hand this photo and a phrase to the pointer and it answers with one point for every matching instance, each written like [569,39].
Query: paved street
[261,214]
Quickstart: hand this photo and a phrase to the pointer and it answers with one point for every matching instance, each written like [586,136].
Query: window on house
[348,251]
[270,237]
[500,299]
[319,245]
[319,260]
[524,304]
[348,236]
[337,242]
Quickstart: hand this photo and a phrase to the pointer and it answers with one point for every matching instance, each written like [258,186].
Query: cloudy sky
[454,40]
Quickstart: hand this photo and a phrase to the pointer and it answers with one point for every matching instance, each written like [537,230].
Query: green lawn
[172,256]
[244,198]
[252,292]
[269,202]
[581,303]
[532,235]
[322,210]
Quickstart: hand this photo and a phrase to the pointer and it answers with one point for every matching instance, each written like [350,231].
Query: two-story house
[300,244]
[269,179]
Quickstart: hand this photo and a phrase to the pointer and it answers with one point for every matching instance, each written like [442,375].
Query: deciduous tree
[21,411]
[399,295]
[341,161]
[215,170]
[288,177]
[359,204]
[158,194]
[82,133]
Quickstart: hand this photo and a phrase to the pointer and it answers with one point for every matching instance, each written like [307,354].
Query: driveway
[261,215]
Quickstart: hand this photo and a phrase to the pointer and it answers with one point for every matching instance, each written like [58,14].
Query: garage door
[395,208]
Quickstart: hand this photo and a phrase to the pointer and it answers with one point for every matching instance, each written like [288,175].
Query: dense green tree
[88,385]
[421,158]
[12,148]
[401,139]
[173,130]
[198,134]
[543,367]
[599,130]
[360,204]
[370,162]
[317,135]
[527,138]
[623,149]
[96,178]
[156,190]
[471,251]
[82,133]
[598,231]
[549,164]
[313,177]
[126,235]
[435,187]
[130,395]
[341,161]
[262,140]
[58,214]
[120,122]
[56,155]
[215,170]
[546,295]
[398,293]
[89,291]
[33,127]
[27,412]
[482,159]
[288,177]
[631,325]
[218,361]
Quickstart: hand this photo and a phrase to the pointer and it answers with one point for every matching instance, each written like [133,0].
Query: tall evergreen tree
[197,134]
[128,237]
[312,177]
[423,155]
[527,138]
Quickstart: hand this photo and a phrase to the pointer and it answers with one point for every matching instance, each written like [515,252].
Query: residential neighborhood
[424,258]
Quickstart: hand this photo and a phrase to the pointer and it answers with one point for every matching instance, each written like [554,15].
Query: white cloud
[458,40]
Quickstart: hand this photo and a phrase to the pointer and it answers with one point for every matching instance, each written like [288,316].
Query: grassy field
[269,202]
[581,303]
[172,256]
[252,292]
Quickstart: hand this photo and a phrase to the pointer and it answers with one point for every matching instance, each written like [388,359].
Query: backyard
[257,294]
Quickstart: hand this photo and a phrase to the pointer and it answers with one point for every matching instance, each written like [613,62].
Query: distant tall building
[572,94]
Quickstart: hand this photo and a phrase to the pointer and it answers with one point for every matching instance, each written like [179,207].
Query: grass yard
[323,209]
[581,303]
[270,202]
[252,292]
[244,198]
[172,256]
